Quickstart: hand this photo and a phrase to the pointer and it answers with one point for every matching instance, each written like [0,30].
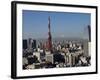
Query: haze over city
[63,24]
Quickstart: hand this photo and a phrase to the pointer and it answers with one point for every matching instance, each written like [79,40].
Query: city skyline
[63,24]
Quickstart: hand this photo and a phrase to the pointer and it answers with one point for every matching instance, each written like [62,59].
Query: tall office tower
[49,37]
[89,32]
[25,46]
[30,43]
[89,43]
[34,44]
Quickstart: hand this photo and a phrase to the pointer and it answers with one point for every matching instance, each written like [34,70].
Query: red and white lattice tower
[49,36]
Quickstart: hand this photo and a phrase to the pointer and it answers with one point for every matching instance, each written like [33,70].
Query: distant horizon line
[59,38]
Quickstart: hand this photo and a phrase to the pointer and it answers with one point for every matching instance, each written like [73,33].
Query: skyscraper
[89,32]
[34,44]
[25,46]
[30,43]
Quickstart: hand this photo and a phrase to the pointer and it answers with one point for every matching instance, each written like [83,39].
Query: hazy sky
[63,24]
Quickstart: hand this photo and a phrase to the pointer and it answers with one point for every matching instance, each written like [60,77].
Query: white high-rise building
[49,57]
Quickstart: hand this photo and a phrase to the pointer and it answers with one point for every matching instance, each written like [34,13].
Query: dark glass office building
[25,46]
